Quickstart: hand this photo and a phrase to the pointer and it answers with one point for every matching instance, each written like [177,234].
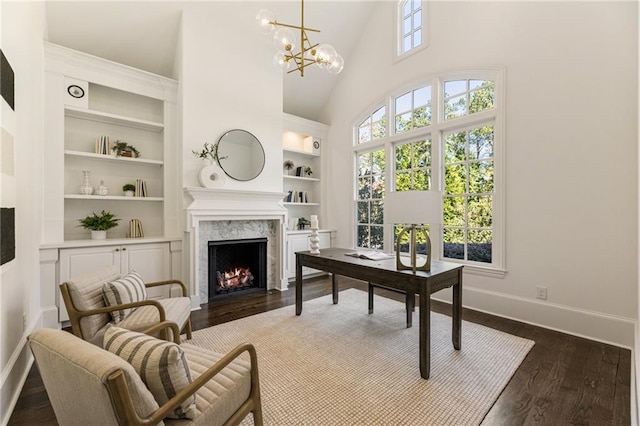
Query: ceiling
[143,34]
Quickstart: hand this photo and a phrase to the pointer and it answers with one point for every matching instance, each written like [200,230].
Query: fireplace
[237,266]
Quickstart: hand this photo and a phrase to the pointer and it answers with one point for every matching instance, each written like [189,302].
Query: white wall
[22,34]
[571,126]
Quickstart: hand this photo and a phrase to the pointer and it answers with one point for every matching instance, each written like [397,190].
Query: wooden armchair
[90,385]
[89,314]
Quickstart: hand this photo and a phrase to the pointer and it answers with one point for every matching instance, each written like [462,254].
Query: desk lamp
[413,208]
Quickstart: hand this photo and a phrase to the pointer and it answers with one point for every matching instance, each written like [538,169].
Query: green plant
[129,187]
[102,222]
[308,171]
[121,147]
[209,152]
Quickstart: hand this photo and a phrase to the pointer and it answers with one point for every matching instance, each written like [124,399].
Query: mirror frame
[220,161]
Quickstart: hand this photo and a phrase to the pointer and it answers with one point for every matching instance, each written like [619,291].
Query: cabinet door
[151,261]
[80,261]
[295,242]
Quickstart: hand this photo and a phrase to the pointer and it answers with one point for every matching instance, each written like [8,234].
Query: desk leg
[457,312]
[370,298]
[298,286]
[410,304]
[425,331]
[334,287]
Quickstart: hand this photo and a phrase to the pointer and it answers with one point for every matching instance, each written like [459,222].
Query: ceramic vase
[98,235]
[86,188]
[102,189]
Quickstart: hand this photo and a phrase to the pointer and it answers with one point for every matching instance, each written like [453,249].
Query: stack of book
[102,145]
[135,229]
[141,188]
[296,197]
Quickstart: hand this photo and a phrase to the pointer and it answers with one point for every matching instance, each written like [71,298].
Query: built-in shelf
[300,152]
[301,204]
[300,178]
[110,197]
[106,117]
[112,158]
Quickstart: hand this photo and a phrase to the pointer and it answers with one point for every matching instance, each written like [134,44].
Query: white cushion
[162,366]
[127,289]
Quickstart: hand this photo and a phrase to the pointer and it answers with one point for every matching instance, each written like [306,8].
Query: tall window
[370,187]
[410,25]
[449,140]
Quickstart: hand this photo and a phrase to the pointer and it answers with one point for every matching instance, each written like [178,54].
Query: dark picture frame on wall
[7,165]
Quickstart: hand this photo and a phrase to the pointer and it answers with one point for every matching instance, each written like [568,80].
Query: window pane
[377,212]
[364,164]
[403,122]
[363,236]
[417,4]
[417,38]
[455,145]
[367,121]
[364,134]
[406,25]
[455,178]
[481,99]
[479,245]
[453,211]
[403,156]
[379,129]
[377,237]
[406,44]
[403,103]
[455,107]
[417,19]
[422,154]
[474,84]
[364,188]
[406,8]
[379,114]
[453,243]
[481,177]
[422,96]
[481,143]
[421,117]
[363,212]
[378,161]
[403,181]
[456,87]
[479,212]
[422,179]
[377,187]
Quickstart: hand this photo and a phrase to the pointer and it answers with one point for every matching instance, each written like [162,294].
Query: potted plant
[308,171]
[123,149]
[129,189]
[99,224]
[288,166]
[209,153]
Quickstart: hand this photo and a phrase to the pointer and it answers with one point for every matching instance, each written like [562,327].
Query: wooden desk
[442,275]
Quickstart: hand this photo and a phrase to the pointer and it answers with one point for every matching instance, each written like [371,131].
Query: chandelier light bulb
[265,18]
[336,66]
[280,59]
[284,40]
[325,55]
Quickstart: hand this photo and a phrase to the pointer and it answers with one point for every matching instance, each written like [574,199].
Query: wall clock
[75,91]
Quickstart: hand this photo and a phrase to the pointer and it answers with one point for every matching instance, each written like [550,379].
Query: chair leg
[188,328]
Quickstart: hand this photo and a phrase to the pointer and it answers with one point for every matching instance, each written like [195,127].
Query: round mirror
[240,155]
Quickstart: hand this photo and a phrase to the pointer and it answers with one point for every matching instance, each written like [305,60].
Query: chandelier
[285,41]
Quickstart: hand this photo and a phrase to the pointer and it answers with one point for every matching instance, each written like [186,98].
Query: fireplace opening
[237,266]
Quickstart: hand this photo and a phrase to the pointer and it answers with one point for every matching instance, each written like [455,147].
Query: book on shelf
[141,188]
[135,229]
[102,145]
[288,197]
[300,171]
[370,255]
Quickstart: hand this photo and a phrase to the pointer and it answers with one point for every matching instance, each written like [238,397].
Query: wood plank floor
[563,380]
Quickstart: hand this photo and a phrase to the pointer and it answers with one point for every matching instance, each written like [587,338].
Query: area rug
[338,365]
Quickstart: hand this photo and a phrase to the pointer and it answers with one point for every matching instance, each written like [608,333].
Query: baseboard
[16,371]
[610,329]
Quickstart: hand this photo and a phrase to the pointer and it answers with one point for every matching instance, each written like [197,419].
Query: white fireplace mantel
[222,204]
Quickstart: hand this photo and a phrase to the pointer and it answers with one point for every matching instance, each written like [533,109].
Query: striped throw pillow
[127,289]
[162,366]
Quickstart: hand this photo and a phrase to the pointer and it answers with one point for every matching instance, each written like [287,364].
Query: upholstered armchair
[141,380]
[96,300]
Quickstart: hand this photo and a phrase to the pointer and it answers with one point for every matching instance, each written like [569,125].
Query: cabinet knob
[124,249]
[117,249]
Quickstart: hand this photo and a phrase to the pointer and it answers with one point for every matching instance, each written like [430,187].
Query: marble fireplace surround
[219,214]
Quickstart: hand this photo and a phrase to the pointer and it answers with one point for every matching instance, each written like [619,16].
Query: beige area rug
[337,365]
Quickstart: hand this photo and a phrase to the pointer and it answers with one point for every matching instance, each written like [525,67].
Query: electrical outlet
[541,292]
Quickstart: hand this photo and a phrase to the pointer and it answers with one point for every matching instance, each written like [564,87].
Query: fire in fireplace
[237,265]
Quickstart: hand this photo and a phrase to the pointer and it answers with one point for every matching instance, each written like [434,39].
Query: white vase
[86,188]
[98,235]
[128,193]
[102,189]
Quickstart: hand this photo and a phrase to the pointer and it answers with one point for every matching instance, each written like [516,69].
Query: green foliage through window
[370,196]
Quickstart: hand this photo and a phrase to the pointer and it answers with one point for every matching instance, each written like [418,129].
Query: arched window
[447,136]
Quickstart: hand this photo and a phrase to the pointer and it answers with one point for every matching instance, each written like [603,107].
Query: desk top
[334,254]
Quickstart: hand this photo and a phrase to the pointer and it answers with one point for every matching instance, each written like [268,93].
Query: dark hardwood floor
[563,380]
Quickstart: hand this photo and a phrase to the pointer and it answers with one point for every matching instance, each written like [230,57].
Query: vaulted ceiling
[143,34]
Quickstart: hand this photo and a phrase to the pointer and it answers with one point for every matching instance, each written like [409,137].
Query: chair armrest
[168,282]
[124,404]
[109,309]
[163,325]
